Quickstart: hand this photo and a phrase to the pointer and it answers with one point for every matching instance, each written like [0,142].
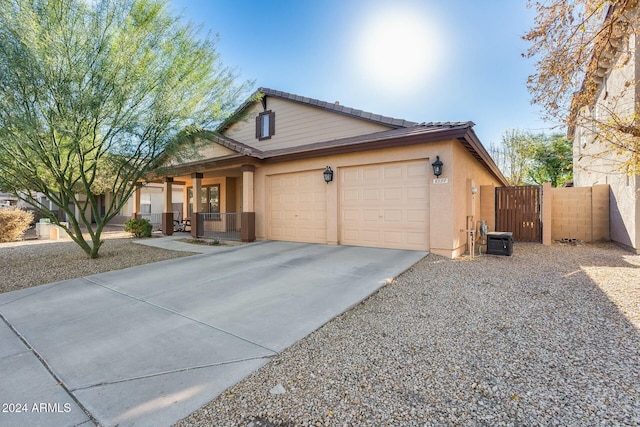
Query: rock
[279,389]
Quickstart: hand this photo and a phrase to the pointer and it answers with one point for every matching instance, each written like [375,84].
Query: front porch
[211,204]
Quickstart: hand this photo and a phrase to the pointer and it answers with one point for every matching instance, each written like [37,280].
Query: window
[210,197]
[265,125]
[145,203]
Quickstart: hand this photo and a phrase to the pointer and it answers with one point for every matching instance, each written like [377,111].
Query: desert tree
[575,43]
[514,155]
[552,160]
[94,95]
[527,158]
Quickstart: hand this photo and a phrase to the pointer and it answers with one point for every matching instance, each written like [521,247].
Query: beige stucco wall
[205,150]
[449,202]
[594,164]
[152,194]
[488,205]
[468,173]
[297,124]
[580,213]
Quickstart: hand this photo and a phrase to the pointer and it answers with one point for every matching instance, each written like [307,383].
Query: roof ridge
[467,123]
[343,109]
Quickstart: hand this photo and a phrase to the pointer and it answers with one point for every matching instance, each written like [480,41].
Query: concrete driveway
[148,345]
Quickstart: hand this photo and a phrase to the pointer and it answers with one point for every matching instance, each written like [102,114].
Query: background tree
[552,160]
[571,40]
[526,158]
[93,94]
[515,155]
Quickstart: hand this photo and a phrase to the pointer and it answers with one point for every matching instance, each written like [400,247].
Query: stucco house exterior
[269,170]
[613,76]
[7,199]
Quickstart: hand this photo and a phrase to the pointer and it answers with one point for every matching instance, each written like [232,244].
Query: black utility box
[500,243]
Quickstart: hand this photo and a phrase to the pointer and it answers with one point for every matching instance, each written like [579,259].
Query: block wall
[580,213]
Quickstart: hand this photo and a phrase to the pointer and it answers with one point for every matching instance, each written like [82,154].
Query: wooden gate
[518,210]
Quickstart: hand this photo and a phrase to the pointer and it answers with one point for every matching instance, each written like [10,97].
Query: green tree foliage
[515,155]
[526,158]
[94,94]
[552,161]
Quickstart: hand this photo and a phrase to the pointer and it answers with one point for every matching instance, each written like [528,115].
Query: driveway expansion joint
[177,313]
[41,288]
[173,371]
[49,369]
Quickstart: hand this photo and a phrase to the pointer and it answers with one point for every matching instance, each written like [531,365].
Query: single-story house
[303,170]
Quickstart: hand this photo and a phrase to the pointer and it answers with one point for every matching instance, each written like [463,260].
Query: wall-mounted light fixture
[328,175]
[437,167]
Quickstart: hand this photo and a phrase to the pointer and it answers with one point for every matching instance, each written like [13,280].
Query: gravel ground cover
[36,262]
[549,336]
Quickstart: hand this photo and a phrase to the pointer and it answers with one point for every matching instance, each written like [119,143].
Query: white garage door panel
[385,205]
[416,238]
[297,207]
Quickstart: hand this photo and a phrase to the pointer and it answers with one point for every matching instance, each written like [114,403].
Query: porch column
[248,215]
[167,211]
[197,204]
[135,201]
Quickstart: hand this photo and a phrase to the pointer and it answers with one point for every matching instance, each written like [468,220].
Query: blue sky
[425,60]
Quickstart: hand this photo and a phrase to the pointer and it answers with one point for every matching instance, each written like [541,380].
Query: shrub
[13,223]
[139,227]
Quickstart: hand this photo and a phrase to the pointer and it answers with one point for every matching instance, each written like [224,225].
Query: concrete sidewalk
[150,344]
[174,243]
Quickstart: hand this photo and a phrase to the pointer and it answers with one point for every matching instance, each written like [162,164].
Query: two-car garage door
[380,205]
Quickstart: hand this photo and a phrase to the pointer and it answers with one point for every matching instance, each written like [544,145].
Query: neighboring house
[269,169]
[7,200]
[43,202]
[150,205]
[613,73]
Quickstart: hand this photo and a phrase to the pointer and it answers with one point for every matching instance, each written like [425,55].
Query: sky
[419,60]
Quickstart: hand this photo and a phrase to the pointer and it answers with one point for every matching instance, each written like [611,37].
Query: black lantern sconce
[328,175]
[437,167]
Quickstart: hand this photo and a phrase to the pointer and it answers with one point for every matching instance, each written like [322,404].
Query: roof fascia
[475,147]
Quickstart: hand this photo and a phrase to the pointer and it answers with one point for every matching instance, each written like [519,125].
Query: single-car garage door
[297,207]
[385,205]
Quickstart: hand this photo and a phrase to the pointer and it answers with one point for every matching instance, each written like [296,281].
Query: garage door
[297,209]
[385,205]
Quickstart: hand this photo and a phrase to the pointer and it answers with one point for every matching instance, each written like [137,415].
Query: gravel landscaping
[35,262]
[549,336]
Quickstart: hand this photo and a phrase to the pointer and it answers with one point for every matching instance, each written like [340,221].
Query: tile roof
[403,132]
[420,132]
[232,144]
[337,108]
